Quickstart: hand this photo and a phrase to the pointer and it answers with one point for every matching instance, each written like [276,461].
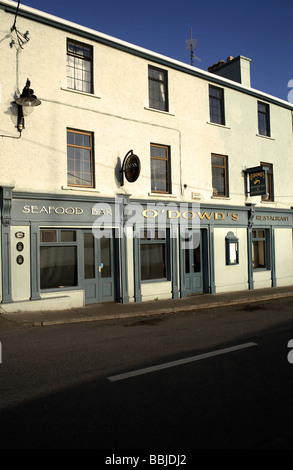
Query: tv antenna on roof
[191,44]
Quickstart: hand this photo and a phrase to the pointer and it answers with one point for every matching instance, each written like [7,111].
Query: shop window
[80,160]
[260,249]
[58,259]
[217,110]
[160,169]
[158,89]
[154,255]
[79,66]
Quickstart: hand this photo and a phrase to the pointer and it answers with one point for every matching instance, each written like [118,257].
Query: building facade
[211,209]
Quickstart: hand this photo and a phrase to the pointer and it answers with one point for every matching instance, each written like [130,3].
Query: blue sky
[259,29]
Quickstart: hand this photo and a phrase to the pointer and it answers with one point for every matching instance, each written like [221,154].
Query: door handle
[101,267]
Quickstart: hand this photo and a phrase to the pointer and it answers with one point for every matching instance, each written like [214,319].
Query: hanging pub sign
[257,181]
[131,167]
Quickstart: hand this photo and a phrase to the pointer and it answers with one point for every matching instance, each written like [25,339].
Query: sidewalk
[111,310]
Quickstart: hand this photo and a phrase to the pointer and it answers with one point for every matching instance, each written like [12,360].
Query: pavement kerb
[94,318]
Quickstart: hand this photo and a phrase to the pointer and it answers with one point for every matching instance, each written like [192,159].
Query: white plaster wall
[284,257]
[234,277]
[156,290]
[20,273]
[130,265]
[262,279]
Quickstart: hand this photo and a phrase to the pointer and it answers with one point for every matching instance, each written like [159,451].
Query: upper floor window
[158,89]
[270,182]
[220,175]
[264,127]
[79,66]
[160,169]
[80,159]
[217,109]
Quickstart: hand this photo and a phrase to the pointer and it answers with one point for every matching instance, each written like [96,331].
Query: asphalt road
[61,387]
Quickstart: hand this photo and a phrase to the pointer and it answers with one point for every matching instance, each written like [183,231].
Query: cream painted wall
[262,279]
[284,256]
[234,277]
[119,116]
[20,273]
[156,290]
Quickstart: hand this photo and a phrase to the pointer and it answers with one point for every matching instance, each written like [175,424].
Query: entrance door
[192,263]
[98,278]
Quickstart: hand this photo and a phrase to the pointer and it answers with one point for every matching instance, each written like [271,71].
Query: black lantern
[27,98]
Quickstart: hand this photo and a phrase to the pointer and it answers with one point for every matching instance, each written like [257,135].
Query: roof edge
[74,28]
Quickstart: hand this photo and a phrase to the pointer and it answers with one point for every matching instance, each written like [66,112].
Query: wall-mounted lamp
[28,100]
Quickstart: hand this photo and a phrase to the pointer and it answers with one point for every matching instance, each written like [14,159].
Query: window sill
[222,198]
[75,188]
[265,137]
[272,203]
[162,195]
[148,281]
[218,125]
[78,92]
[159,111]
[261,269]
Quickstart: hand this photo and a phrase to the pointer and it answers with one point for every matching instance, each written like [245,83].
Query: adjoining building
[136,176]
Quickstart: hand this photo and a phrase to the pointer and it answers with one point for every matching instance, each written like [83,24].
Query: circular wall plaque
[132,168]
[20,235]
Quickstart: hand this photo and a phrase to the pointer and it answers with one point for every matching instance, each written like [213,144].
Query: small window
[158,89]
[160,169]
[260,251]
[264,127]
[217,111]
[80,159]
[270,183]
[79,66]
[220,175]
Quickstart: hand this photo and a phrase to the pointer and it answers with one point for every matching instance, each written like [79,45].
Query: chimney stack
[237,69]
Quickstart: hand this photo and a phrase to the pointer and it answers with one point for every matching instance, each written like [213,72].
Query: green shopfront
[64,251]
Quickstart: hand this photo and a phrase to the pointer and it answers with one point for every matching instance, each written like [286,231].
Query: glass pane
[258,254]
[68,236]
[106,256]
[187,261]
[219,181]
[153,262]
[70,138]
[58,266]
[48,236]
[89,256]
[218,160]
[159,175]
[196,260]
